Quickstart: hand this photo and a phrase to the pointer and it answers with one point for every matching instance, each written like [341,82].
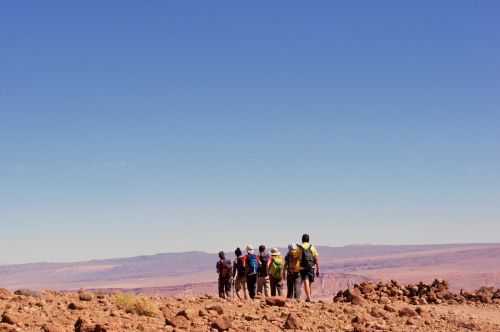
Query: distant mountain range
[466,266]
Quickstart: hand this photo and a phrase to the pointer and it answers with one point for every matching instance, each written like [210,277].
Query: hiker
[224,270]
[251,269]
[309,265]
[292,271]
[263,282]
[276,272]
[239,274]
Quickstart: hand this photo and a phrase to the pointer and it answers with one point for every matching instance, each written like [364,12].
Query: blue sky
[134,128]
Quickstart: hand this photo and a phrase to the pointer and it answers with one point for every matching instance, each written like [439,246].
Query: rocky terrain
[364,307]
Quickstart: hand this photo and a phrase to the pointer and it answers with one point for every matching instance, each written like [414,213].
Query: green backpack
[276,268]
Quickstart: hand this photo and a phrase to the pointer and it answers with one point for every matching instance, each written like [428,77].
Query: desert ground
[364,307]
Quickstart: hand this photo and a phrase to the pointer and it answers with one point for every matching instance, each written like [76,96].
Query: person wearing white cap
[252,267]
[276,272]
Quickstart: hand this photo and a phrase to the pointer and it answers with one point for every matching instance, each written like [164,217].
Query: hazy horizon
[230,251]
[129,128]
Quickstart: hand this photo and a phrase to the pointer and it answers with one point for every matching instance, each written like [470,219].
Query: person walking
[263,281]
[224,269]
[292,272]
[276,272]
[239,274]
[251,270]
[309,265]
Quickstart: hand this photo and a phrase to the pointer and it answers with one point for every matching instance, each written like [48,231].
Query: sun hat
[250,249]
[275,252]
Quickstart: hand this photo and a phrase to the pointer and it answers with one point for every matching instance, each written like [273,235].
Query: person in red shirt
[239,274]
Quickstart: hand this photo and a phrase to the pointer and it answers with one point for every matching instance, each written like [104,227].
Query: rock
[5,294]
[74,306]
[27,292]
[359,319]
[221,323]
[377,313]
[180,322]
[407,312]
[389,308]
[190,314]
[249,317]
[292,322]
[276,301]
[420,311]
[7,328]
[85,296]
[357,300]
[215,307]
[410,322]
[83,326]
[52,328]
[468,326]
[10,318]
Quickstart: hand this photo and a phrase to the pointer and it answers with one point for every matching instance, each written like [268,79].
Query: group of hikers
[264,273]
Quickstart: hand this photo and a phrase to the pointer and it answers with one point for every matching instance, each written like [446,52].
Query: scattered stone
[292,322]
[5,294]
[276,301]
[83,326]
[10,318]
[52,328]
[377,313]
[178,322]
[85,296]
[407,312]
[27,292]
[215,307]
[389,308]
[74,306]
[190,314]
[222,323]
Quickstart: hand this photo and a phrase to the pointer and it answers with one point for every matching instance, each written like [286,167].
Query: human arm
[317,266]
[316,259]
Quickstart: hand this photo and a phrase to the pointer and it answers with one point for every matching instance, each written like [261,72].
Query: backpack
[307,259]
[264,269]
[276,268]
[252,264]
[225,269]
[240,266]
[293,261]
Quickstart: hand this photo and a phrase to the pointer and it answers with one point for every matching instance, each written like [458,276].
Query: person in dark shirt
[224,269]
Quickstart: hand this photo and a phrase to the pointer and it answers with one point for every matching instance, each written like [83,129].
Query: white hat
[250,248]
[275,252]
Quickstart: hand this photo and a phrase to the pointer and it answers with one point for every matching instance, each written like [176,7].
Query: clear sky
[133,127]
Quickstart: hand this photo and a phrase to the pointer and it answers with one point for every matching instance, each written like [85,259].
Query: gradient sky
[132,127]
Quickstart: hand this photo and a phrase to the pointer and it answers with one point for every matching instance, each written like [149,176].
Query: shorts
[307,275]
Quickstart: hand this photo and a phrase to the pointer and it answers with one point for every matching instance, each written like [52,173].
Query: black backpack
[263,268]
[307,259]
[240,266]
